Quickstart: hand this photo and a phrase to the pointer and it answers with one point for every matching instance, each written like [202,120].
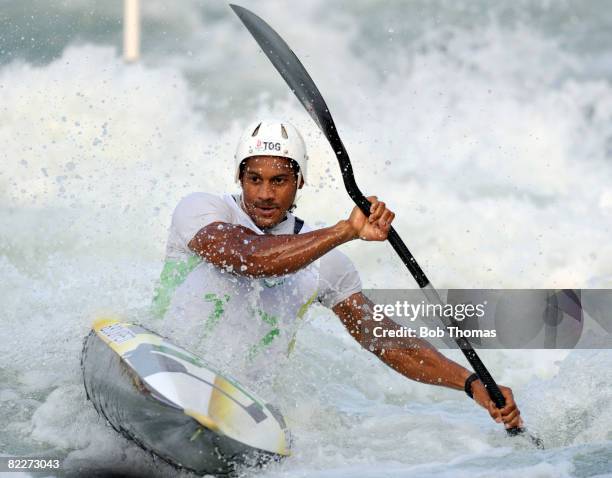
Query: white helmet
[272,138]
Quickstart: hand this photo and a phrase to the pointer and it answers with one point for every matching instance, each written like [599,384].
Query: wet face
[268,189]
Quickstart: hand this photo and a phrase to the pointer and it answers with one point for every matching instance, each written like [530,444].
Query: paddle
[298,79]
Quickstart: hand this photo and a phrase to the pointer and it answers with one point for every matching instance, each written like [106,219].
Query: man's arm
[415,358]
[244,252]
[419,360]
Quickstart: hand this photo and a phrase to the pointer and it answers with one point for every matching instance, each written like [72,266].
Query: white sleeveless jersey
[246,327]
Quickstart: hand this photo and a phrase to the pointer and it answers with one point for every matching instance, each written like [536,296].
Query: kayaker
[241,270]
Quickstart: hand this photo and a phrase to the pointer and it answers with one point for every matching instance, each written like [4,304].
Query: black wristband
[468,385]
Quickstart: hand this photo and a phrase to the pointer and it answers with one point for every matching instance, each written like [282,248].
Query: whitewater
[487,128]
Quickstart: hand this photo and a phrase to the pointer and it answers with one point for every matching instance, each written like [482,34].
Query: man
[242,270]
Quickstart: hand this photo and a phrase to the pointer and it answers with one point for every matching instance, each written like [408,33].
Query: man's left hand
[510,415]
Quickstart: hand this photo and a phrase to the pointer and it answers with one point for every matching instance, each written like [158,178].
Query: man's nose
[266,191]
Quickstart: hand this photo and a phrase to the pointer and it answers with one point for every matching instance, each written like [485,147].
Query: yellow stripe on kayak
[227,412]
[203,420]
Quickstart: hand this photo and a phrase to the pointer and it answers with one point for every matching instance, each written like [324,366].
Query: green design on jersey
[173,275]
[216,313]
[269,337]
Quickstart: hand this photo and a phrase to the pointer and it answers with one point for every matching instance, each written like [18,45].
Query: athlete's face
[269,185]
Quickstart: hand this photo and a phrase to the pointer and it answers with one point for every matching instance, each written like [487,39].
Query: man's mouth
[266,211]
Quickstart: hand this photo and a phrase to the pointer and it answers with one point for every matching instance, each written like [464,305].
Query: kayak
[172,403]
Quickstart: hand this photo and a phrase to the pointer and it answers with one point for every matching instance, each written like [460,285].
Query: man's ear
[301,183]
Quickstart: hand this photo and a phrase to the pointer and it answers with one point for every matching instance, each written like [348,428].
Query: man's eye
[279,180]
[254,179]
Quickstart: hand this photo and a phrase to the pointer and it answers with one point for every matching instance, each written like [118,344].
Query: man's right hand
[376,226]
[510,415]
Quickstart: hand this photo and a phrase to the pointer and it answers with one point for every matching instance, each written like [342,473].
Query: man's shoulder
[198,209]
[201,197]
[335,259]
[201,202]
[338,278]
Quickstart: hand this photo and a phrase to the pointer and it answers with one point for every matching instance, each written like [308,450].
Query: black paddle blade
[289,66]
